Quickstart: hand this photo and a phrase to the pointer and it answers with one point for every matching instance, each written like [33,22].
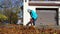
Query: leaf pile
[18,29]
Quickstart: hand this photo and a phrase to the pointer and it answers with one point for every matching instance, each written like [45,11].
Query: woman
[34,17]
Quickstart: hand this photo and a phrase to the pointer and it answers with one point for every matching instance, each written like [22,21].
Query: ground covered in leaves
[18,29]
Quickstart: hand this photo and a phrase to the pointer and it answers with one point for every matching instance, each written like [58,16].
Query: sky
[12,2]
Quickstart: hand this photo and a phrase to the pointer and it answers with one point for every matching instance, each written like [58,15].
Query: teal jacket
[33,14]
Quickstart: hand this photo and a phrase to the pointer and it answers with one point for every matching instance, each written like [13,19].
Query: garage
[47,16]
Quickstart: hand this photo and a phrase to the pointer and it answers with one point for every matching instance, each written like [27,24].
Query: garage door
[46,17]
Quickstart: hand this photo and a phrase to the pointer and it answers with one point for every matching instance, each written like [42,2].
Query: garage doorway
[47,16]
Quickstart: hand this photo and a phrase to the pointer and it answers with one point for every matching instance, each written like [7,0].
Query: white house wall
[59,15]
[27,16]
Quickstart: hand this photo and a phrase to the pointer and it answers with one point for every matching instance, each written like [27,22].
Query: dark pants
[32,22]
